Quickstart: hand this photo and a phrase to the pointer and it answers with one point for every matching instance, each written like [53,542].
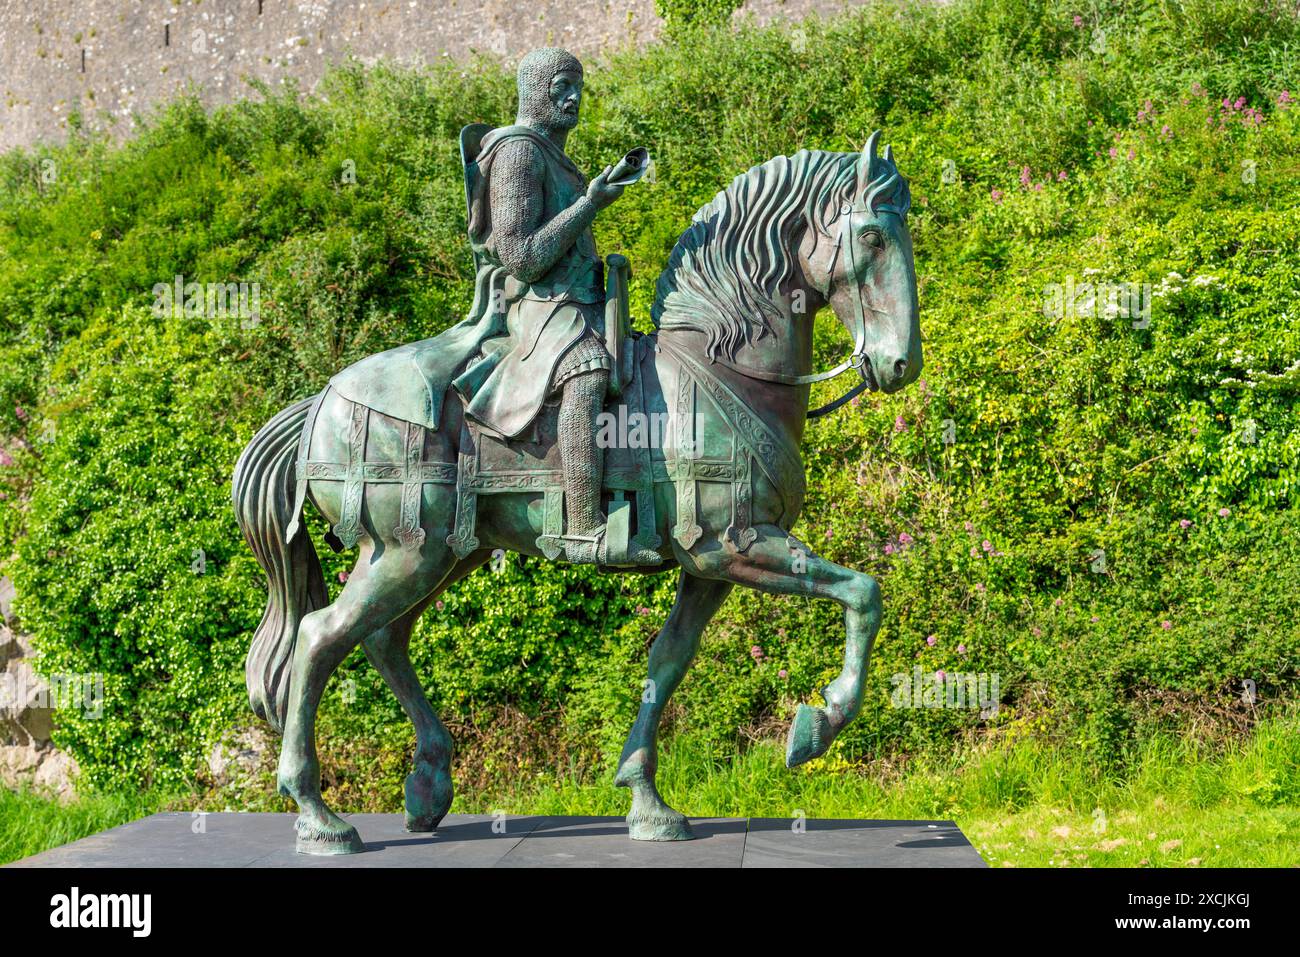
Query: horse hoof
[660,827]
[423,825]
[427,801]
[327,840]
[810,736]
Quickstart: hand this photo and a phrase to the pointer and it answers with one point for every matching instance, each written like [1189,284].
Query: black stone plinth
[465,840]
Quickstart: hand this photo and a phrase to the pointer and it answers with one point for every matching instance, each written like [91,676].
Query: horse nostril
[900,368]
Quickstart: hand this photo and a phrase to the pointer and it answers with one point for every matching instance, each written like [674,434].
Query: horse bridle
[858,358]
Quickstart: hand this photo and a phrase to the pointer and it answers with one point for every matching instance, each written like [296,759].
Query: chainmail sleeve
[517,182]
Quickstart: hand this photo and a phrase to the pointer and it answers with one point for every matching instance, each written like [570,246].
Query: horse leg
[674,648]
[384,584]
[428,789]
[780,565]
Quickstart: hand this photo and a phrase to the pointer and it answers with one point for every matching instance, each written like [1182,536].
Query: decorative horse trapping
[431,456]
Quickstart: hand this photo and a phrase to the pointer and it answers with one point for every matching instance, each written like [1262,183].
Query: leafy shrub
[1041,504]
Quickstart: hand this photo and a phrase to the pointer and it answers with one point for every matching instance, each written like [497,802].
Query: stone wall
[111,59]
[26,716]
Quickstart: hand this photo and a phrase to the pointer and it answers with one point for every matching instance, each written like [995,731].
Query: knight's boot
[584,463]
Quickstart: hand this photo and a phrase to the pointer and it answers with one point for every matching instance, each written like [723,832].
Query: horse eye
[872,237]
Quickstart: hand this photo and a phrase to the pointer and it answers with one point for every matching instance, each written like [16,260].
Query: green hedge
[1043,142]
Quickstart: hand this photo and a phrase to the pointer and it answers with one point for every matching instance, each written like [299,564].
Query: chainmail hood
[536,71]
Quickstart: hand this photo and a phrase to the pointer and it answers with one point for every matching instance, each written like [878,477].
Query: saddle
[492,465]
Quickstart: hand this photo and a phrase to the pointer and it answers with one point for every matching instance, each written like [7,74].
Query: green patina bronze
[542,424]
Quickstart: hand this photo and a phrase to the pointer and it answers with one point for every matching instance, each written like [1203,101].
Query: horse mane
[727,268]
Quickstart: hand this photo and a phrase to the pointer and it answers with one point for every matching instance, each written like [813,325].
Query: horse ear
[866,161]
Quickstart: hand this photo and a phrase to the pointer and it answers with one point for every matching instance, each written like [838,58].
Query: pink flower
[439,604]
[889,549]
[940,675]
[343,576]
[1166,133]
[1184,523]
[5,458]
[932,640]
[1283,100]
[642,610]
[1036,632]
[1132,154]
[900,424]
[782,674]
[1024,176]
[970,527]
[1094,619]
[1038,187]
[1113,152]
[20,412]
[904,538]
[974,552]
[961,649]
[1059,602]
[1061,177]
[1078,20]
[1166,625]
[1224,512]
[996,195]
[756,653]
[987,545]
[979,587]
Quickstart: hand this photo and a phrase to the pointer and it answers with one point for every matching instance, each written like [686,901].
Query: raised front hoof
[659,827]
[810,736]
[336,837]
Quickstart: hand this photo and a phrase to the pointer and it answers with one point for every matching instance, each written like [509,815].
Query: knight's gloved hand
[601,193]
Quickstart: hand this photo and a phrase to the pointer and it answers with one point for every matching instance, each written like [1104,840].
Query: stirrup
[584,549]
[593,550]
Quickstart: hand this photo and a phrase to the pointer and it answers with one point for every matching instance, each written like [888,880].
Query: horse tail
[266,507]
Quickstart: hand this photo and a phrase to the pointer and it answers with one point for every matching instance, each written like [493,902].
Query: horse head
[857,256]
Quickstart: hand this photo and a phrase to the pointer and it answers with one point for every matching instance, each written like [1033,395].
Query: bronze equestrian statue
[433,455]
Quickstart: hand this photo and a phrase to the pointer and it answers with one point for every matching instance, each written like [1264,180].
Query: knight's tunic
[506,385]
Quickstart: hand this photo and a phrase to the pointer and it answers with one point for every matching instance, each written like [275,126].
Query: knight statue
[530,216]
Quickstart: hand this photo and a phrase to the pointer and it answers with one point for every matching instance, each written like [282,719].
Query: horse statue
[726,374]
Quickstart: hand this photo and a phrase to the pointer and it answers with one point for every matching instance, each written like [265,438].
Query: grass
[31,823]
[1023,804]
